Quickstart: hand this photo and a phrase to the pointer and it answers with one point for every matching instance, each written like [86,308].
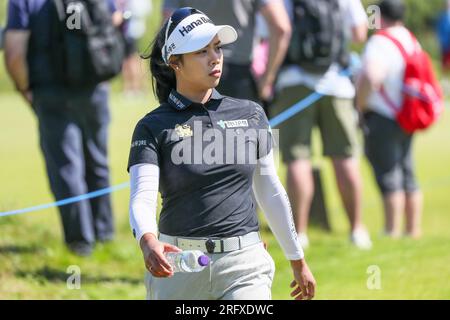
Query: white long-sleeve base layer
[269,192]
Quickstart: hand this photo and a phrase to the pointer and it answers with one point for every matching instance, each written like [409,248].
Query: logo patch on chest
[183,130]
[241,123]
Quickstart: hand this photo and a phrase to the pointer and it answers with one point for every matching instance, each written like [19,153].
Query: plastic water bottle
[187,261]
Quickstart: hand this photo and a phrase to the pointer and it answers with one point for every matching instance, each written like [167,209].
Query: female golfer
[206,153]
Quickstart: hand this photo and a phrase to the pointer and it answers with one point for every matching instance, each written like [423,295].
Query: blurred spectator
[388,147]
[237,79]
[315,60]
[261,48]
[73,118]
[443,32]
[134,13]
[2,35]
[260,59]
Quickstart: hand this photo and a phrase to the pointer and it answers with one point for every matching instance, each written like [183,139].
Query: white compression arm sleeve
[144,183]
[273,200]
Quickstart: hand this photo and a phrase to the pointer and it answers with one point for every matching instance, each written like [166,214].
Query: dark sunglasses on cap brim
[178,16]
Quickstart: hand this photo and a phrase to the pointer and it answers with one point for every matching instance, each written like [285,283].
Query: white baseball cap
[189,30]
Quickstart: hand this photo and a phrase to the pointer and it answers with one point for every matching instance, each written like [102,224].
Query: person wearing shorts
[388,147]
[336,119]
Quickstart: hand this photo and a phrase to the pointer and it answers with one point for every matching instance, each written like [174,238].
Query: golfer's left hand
[304,284]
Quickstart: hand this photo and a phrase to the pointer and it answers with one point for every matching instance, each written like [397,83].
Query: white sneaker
[303,240]
[361,239]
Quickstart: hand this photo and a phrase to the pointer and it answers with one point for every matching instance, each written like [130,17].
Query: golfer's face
[202,69]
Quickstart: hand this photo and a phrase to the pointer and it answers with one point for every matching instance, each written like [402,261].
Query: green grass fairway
[34,261]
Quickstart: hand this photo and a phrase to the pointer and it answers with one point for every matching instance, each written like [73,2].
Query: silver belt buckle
[210,246]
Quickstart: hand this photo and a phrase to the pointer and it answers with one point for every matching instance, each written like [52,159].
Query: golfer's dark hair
[163,76]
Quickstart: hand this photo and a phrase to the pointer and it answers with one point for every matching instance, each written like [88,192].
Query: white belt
[213,245]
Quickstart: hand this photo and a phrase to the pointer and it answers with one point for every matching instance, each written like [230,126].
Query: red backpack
[422,95]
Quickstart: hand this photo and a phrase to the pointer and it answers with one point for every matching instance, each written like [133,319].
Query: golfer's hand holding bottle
[187,261]
[304,284]
[155,260]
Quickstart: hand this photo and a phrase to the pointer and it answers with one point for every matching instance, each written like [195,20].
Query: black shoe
[105,238]
[80,249]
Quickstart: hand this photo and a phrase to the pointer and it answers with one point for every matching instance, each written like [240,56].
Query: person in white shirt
[388,147]
[134,14]
[336,118]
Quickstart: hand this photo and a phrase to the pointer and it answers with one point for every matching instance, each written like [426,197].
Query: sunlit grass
[34,261]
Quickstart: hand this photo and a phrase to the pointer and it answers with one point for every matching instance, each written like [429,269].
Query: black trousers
[73,138]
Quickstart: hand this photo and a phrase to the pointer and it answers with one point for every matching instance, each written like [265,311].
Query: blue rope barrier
[283,116]
[280,118]
[59,203]
[296,108]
